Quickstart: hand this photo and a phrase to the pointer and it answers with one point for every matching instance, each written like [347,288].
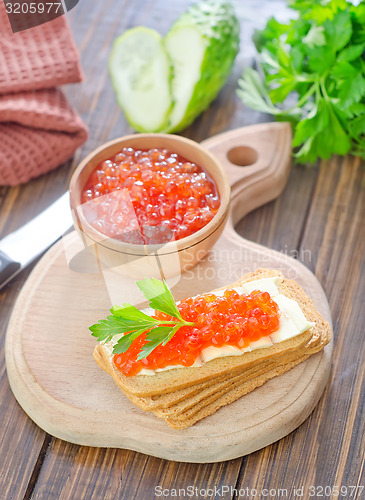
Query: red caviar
[232,319]
[149,196]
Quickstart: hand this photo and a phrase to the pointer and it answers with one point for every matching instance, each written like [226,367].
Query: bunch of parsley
[317,60]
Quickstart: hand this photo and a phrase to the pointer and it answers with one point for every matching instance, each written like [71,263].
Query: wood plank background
[318,219]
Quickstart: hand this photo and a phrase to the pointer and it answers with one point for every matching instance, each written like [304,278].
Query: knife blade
[20,248]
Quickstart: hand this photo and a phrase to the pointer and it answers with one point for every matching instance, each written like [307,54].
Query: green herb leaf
[125,342]
[320,59]
[159,296]
[131,313]
[254,93]
[351,89]
[335,135]
[338,31]
[106,328]
[316,122]
[356,109]
[273,30]
[350,53]
[157,336]
[315,37]
[357,127]
[130,322]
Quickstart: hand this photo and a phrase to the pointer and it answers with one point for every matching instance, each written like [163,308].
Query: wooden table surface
[318,219]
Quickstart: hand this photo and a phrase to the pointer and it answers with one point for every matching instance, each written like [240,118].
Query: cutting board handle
[257,159]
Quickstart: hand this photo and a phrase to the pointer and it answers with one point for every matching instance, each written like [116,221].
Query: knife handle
[8,268]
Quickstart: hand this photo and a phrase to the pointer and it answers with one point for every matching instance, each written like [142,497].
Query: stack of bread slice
[183,396]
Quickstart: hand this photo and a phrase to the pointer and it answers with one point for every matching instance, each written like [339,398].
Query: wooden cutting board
[49,347]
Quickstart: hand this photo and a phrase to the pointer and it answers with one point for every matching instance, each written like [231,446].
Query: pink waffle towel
[38,128]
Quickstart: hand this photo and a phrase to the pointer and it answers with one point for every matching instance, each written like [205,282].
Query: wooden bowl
[169,259]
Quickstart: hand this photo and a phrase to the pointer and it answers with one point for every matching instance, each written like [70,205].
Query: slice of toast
[170,381]
[169,399]
[185,404]
[185,398]
[191,406]
[227,397]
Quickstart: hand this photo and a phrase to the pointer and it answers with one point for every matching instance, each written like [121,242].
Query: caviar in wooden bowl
[150,203]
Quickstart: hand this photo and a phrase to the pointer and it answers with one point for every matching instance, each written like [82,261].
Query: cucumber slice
[140,71]
[202,46]
[186,47]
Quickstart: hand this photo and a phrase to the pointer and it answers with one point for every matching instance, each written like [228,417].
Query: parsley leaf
[131,314]
[338,31]
[159,296]
[125,342]
[157,336]
[106,328]
[352,52]
[315,37]
[254,94]
[131,323]
[351,89]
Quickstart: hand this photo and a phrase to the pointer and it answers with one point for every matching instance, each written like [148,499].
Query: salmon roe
[149,196]
[232,319]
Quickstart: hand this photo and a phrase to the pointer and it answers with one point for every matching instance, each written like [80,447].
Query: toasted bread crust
[228,397]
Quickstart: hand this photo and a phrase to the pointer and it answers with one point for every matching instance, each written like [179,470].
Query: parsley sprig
[317,60]
[131,322]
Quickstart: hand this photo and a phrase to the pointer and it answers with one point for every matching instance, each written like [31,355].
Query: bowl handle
[257,160]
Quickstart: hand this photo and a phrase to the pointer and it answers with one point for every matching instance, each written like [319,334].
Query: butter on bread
[182,396]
